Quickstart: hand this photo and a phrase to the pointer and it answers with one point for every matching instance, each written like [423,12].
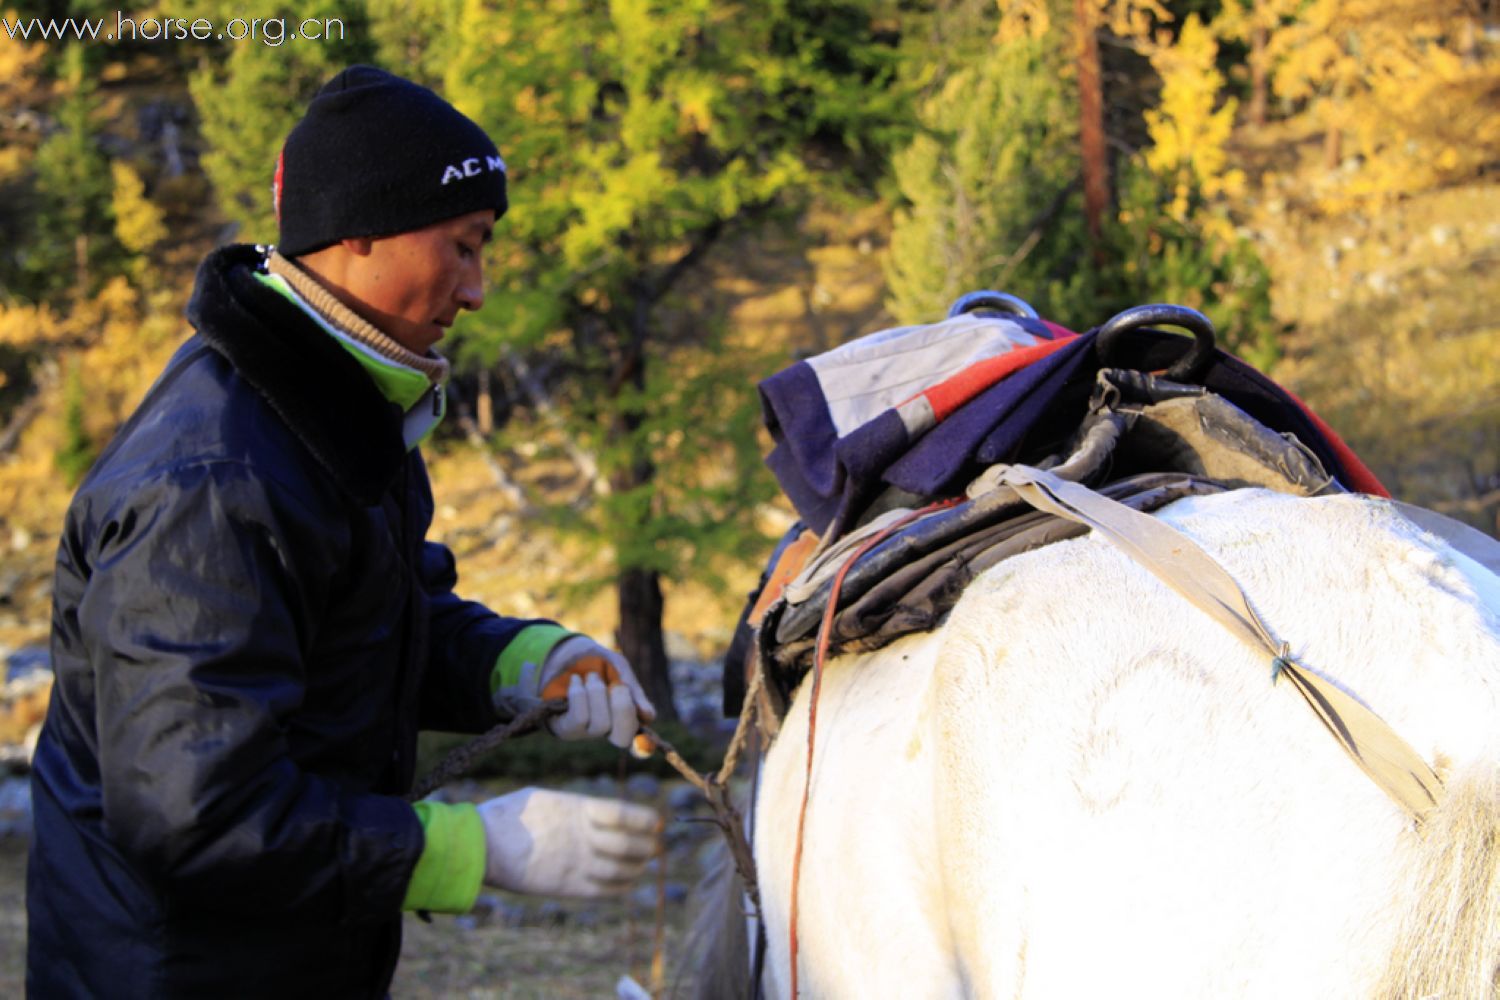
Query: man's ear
[358,245]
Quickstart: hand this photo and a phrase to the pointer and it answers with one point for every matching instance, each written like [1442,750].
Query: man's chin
[419,340]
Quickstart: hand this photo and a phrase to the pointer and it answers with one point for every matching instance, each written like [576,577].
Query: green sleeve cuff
[451,868]
[531,645]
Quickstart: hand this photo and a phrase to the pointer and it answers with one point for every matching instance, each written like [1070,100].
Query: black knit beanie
[377,155]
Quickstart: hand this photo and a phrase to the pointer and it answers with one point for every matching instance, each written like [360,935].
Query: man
[249,626]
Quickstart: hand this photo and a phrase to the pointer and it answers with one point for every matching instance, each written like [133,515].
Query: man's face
[412,285]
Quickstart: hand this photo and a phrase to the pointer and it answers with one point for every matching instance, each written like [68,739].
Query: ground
[511,947]
[542,962]
[12,917]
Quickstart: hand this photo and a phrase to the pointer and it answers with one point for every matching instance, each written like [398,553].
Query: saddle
[1121,409]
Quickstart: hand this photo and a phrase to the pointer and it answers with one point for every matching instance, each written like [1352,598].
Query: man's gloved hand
[560,844]
[604,698]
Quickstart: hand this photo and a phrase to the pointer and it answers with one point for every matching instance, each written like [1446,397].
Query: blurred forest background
[702,190]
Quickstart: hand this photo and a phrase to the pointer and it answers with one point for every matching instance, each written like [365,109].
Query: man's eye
[465,251]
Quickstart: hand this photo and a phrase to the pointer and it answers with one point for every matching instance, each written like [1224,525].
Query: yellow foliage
[13,163]
[139,224]
[18,65]
[118,345]
[1126,19]
[695,100]
[1132,18]
[30,328]
[1412,84]
[1188,135]
[1023,19]
[624,190]
[31,496]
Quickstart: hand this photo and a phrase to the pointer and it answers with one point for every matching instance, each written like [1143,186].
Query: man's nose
[470,292]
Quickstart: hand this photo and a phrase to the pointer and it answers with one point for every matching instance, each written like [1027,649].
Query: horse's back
[1094,787]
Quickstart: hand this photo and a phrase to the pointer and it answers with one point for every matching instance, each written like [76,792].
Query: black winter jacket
[248,630]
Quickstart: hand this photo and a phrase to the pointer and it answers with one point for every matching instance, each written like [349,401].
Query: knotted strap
[1181,564]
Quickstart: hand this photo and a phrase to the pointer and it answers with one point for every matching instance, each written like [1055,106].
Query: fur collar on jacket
[305,375]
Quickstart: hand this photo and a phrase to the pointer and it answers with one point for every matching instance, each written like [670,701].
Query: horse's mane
[1449,942]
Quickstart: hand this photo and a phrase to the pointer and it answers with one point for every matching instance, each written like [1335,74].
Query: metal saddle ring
[1188,368]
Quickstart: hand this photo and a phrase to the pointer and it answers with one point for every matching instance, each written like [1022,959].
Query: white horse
[1082,786]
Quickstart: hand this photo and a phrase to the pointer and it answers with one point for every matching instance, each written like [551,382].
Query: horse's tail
[715,960]
[1449,942]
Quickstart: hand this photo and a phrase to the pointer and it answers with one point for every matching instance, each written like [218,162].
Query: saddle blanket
[924,408]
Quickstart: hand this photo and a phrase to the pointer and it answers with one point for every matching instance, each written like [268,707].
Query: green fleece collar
[424,403]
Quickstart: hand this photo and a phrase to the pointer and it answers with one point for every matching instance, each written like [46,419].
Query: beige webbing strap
[1178,562]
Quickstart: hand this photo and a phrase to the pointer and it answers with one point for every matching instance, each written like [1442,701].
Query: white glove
[604,698]
[560,844]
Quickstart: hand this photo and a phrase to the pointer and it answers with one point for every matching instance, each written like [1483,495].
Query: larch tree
[1082,21]
[638,135]
[249,95]
[991,185]
[1173,238]
[1409,87]
[72,242]
[990,188]
[1253,23]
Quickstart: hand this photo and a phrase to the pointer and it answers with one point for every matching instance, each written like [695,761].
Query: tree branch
[706,238]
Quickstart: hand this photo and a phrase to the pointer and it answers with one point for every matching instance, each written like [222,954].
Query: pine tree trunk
[1258,76]
[639,589]
[1091,125]
[1333,121]
[1333,148]
[640,637]
[485,404]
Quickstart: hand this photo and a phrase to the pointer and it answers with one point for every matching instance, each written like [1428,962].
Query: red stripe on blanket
[955,391]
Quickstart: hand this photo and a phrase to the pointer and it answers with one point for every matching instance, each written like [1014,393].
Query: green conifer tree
[72,244]
[991,189]
[637,136]
[1173,239]
[250,95]
[77,453]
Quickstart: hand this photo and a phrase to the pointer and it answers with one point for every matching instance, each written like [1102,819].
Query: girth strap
[1181,564]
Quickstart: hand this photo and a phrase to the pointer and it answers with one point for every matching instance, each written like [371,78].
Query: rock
[685,799]
[679,648]
[491,909]
[684,838]
[644,897]
[1441,235]
[628,989]
[27,660]
[15,807]
[643,786]
[10,583]
[465,922]
[23,703]
[550,913]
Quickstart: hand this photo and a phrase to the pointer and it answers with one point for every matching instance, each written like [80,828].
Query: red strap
[812,708]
